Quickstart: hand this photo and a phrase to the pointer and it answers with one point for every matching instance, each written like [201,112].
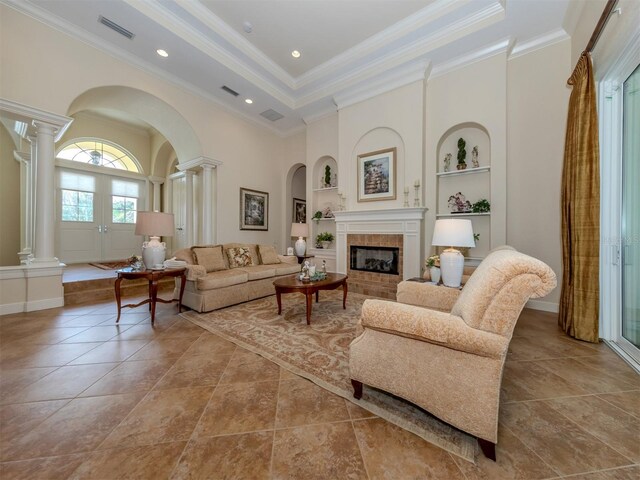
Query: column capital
[24,157]
[156,180]
[198,162]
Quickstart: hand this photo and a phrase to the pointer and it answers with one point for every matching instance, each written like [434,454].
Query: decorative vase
[435,274]
[325,245]
[461,166]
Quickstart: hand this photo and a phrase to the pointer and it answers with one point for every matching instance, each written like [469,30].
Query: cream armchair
[444,349]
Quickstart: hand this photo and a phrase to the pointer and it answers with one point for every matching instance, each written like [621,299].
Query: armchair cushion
[431,326]
[427,295]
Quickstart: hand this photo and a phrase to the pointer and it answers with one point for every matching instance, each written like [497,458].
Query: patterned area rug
[320,352]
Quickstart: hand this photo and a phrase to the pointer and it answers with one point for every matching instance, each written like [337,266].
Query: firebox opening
[375,259]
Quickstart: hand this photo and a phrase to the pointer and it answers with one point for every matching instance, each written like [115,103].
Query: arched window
[100,153]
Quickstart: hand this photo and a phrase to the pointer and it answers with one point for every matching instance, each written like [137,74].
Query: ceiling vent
[115,27]
[272,115]
[230,91]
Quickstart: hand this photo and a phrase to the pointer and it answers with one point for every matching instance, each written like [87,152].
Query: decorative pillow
[239,257]
[268,254]
[209,257]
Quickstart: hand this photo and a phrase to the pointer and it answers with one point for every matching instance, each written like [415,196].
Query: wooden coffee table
[292,284]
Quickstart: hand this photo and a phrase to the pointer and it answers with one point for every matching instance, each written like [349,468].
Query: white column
[189,223]
[24,159]
[207,204]
[44,185]
[157,199]
[32,193]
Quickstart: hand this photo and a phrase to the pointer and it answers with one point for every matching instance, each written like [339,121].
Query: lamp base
[153,253]
[451,266]
[300,247]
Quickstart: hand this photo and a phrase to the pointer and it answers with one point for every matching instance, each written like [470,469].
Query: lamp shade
[453,232]
[156,224]
[299,230]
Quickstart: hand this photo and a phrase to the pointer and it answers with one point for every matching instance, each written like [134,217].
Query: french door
[96,216]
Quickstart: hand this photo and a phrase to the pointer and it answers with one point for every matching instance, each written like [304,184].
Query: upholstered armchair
[444,349]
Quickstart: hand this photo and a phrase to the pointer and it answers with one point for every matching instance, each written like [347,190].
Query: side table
[153,276]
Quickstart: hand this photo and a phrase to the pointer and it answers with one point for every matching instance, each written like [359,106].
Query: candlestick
[416,201]
[406,197]
[406,189]
[417,184]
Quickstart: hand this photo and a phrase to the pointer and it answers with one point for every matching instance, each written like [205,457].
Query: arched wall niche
[319,172]
[474,134]
[156,112]
[297,173]
[379,138]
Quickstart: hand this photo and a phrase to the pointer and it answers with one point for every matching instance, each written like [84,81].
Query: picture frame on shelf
[299,210]
[254,209]
[377,175]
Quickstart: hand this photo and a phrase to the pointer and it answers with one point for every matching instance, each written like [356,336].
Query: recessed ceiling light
[162,53]
[248,100]
[247,27]
[295,54]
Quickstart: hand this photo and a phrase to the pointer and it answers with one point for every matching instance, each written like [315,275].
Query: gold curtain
[579,300]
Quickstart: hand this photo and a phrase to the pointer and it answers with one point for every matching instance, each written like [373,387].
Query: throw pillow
[209,257]
[239,257]
[268,254]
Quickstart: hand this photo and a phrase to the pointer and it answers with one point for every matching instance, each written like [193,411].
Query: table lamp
[451,233]
[156,225]
[300,230]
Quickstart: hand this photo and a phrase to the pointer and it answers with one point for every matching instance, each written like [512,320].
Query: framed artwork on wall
[254,209]
[299,211]
[377,175]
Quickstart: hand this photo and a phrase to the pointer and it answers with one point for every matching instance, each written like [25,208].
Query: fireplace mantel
[405,221]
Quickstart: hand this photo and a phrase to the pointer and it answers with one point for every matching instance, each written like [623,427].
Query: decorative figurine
[459,204]
[447,162]
[324,266]
[474,157]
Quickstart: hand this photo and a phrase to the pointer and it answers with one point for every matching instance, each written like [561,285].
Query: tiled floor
[83,398]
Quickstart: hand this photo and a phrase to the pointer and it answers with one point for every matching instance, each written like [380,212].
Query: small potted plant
[324,239]
[462,154]
[481,206]
[433,264]
[317,216]
[327,176]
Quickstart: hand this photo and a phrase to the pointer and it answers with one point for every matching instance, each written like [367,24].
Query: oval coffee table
[292,284]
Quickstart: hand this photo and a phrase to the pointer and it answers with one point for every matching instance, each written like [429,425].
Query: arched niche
[319,172]
[296,187]
[157,113]
[473,134]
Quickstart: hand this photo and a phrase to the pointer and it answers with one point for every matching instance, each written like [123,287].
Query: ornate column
[157,181]
[190,227]
[45,186]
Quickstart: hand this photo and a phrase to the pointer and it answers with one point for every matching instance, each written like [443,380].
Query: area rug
[320,352]
[111,265]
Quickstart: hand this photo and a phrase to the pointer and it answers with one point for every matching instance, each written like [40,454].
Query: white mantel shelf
[404,221]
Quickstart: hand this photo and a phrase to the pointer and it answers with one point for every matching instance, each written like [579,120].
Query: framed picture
[377,175]
[299,211]
[254,210]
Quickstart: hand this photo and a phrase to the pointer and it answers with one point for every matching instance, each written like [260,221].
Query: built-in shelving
[325,189]
[466,171]
[324,219]
[448,215]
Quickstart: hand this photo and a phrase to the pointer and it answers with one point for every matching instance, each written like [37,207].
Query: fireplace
[376,259]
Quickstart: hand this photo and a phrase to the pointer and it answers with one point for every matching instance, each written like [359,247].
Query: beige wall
[537,113]
[9,201]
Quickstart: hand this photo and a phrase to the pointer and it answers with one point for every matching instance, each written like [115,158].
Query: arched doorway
[296,200]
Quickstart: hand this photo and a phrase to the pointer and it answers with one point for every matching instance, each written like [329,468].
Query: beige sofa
[205,291]
[444,349]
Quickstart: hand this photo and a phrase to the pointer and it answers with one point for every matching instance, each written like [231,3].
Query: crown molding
[314,117]
[487,16]
[396,79]
[198,162]
[502,46]
[398,30]
[24,157]
[33,116]
[167,19]
[539,42]
[67,28]
[215,23]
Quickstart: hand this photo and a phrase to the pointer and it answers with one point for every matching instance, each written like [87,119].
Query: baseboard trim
[9,308]
[44,304]
[543,306]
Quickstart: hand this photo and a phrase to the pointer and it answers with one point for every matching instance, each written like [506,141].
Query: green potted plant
[462,154]
[481,206]
[324,239]
[327,176]
[317,216]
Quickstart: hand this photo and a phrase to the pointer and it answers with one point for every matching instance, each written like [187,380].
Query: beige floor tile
[612,365]
[52,468]
[50,356]
[317,452]
[624,473]
[301,402]
[389,452]
[98,334]
[163,416]
[547,347]
[18,419]
[130,377]
[613,426]
[586,377]
[356,412]
[530,381]
[245,366]
[79,426]
[127,318]
[65,382]
[183,328]
[195,371]
[287,375]
[237,408]
[51,336]
[148,462]
[87,320]
[230,457]
[514,461]
[12,381]
[563,445]
[110,352]
[163,348]
[208,343]
[627,401]
[140,331]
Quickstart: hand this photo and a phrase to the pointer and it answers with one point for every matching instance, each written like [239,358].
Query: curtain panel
[580,296]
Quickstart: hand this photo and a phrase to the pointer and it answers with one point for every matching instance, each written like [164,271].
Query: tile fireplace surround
[401,227]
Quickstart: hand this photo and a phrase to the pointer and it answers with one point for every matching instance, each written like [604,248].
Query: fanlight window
[100,153]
